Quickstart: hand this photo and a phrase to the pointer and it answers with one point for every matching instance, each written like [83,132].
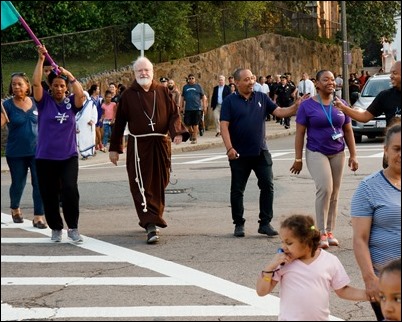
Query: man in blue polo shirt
[242,123]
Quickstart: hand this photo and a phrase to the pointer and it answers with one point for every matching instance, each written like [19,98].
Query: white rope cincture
[138,174]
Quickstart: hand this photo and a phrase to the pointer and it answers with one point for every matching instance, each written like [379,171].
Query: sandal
[17,216]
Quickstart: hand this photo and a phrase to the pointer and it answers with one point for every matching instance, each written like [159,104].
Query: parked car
[376,127]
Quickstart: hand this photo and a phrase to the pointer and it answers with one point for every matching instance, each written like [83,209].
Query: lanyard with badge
[336,135]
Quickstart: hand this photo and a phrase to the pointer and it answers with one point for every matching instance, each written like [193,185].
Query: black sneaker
[152,237]
[239,231]
[268,230]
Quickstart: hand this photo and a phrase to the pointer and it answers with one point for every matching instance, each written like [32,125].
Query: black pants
[58,181]
[241,169]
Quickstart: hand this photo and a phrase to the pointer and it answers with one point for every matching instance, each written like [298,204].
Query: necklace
[391,179]
[151,124]
[23,104]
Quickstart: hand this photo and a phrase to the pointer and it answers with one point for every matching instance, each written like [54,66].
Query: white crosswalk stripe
[173,274]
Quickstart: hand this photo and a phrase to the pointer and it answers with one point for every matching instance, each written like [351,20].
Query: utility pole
[345,53]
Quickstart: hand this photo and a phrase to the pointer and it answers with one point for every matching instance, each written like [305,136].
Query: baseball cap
[163,79]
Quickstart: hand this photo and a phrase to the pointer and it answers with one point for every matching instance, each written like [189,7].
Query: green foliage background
[178,26]
[365,19]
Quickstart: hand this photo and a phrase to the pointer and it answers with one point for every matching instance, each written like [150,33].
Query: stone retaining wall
[266,54]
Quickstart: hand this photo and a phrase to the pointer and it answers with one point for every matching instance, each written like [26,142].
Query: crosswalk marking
[91,281]
[221,158]
[136,312]
[277,155]
[252,304]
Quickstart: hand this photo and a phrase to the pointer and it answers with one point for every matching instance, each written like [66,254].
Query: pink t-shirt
[305,289]
[109,110]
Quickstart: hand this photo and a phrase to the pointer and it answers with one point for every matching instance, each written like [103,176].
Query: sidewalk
[208,140]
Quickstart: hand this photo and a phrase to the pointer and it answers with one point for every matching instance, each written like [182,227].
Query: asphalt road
[198,271]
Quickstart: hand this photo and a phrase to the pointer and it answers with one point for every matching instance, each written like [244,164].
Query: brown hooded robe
[136,108]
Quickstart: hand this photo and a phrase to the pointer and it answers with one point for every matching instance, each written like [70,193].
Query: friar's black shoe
[152,237]
[239,231]
[267,230]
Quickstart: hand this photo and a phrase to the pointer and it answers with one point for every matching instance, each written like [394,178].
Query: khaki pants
[217,115]
[327,172]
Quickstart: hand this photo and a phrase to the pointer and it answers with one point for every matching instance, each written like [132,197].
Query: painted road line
[252,304]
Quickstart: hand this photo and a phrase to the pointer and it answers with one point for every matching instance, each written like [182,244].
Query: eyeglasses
[191,78]
[21,74]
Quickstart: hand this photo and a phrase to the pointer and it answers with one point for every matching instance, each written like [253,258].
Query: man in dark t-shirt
[194,103]
[388,102]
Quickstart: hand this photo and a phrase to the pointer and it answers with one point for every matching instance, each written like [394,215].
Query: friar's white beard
[144,81]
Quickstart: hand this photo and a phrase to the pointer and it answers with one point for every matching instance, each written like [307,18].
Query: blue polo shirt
[246,119]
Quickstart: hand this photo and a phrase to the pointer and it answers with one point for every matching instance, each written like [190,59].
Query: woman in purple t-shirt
[56,153]
[328,129]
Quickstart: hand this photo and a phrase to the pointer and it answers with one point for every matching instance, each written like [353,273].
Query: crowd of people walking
[146,117]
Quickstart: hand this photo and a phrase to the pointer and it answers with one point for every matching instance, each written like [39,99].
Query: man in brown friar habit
[153,119]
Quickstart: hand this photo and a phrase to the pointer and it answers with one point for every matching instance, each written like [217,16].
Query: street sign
[142,37]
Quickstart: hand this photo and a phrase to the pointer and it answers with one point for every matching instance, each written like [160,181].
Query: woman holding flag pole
[56,153]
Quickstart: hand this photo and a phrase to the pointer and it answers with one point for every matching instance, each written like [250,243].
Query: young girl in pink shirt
[108,118]
[306,272]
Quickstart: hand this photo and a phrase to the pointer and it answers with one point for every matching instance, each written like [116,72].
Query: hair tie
[312,227]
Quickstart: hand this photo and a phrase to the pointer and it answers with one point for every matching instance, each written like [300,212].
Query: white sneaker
[324,241]
[332,241]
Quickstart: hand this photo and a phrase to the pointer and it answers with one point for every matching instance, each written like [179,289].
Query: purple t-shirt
[319,130]
[57,138]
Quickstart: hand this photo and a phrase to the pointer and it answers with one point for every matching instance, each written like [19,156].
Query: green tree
[47,18]
[177,24]
[368,20]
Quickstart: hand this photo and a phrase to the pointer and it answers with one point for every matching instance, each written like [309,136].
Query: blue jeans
[107,132]
[241,170]
[19,171]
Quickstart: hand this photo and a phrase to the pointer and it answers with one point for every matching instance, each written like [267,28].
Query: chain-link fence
[110,48]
